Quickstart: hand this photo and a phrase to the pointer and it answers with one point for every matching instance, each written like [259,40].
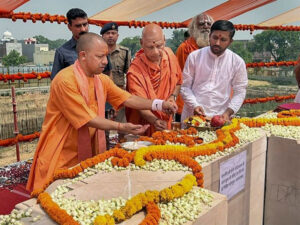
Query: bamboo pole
[16,130]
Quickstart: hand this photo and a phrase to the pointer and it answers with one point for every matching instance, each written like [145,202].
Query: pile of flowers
[196,121]
[15,217]
[167,149]
[14,174]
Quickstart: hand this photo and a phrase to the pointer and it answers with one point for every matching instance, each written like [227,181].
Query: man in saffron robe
[154,73]
[199,29]
[73,127]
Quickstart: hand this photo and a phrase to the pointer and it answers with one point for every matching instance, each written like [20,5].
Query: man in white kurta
[211,74]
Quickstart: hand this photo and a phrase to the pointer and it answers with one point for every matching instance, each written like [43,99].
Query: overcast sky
[175,13]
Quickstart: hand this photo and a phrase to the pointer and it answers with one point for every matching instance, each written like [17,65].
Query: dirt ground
[258,83]
[8,154]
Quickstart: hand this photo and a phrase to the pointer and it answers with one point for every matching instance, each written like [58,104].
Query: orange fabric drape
[233,8]
[184,49]
[10,5]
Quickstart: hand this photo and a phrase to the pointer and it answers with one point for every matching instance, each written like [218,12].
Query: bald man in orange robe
[199,29]
[73,129]
[154,73]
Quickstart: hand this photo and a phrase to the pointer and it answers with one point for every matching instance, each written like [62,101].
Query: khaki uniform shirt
[120,59]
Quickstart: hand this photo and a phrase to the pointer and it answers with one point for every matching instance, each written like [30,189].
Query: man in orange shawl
[199,29]
[154,73]
[73,127]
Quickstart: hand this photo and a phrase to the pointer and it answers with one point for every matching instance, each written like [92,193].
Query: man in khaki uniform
[120,58]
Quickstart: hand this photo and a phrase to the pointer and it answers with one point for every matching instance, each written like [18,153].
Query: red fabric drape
[10,5]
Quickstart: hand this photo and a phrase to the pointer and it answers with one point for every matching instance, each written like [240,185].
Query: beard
[201,38]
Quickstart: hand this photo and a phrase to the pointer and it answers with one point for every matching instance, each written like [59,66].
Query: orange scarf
[190,46]
[84,140]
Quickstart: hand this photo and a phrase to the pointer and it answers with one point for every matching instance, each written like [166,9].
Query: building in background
[34,52]
[8,43]
[41,58]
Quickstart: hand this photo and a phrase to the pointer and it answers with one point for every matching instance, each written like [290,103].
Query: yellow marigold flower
[129,209]
[104,220]
[166,195]
[178,191]
[138,201]
[152,196]
[118,216]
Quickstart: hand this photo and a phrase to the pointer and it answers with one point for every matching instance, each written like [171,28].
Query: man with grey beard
[199,29]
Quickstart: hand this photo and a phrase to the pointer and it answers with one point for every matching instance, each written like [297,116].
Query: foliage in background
[280,80]
[13,59]
[132,43]
[175,41]
[241,48]
[52,44]
[283,45]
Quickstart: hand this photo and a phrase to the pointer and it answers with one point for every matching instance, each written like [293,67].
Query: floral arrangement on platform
[176,149]
[196,121]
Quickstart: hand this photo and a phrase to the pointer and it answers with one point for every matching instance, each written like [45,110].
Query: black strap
[126,61]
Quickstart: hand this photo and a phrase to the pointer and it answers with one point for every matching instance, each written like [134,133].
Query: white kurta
[208,80]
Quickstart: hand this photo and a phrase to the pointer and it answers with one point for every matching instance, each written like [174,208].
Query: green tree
[13,59]
[241,48]
[175,41]
[283,45]
[53,44]
[132,43]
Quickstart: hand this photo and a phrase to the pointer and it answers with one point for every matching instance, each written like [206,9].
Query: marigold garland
[54,211]
[267,99]
[24,76]
[271,64]
[288,114]
[19,138]
[184,155]
[153,214]
[25,16]
[141,200]
[253,27]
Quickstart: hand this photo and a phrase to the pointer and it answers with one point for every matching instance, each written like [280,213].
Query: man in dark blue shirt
[66,54]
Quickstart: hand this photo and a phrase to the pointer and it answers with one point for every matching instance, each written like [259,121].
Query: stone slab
[127,184]
[246,207]
[282,203]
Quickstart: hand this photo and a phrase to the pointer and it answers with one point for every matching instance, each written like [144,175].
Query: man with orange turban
[154,73]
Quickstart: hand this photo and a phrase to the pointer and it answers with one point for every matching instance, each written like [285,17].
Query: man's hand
[133,128]
[226,117]
[169,106]
[171,99]
[199,111]
[160,124]
[227,114]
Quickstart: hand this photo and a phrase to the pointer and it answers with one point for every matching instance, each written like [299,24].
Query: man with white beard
[199,29]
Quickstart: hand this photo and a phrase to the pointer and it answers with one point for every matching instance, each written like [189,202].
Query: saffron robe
[148,80]
[184,49]
[66,112]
